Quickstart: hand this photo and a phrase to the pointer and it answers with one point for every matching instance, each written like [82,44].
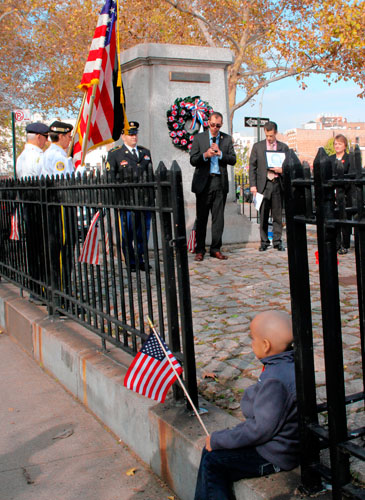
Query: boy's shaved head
[275,327]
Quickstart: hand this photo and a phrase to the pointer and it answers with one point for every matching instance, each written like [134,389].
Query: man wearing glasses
[30,161]
[210,154]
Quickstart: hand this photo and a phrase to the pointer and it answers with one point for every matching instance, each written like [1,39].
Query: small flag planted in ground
[90,249]
[14,231]
[90,253]
[192,240]
[150,373]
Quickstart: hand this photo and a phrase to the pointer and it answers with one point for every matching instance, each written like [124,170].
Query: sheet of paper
[274,159]
[257,200]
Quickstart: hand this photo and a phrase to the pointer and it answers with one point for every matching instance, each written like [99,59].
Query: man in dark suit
[268,182]
[137,158]
[210,154]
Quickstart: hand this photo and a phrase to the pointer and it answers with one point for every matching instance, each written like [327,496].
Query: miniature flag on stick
[192,239]
[90,249]
[151,373]
[14,232]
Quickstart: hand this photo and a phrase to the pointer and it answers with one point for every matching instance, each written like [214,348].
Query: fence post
[168,259]
[184,282]
[295,205]
[331,320]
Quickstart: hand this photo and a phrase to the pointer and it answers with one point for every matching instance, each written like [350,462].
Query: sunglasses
[215,125]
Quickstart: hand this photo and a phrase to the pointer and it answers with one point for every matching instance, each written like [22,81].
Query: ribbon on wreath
[198,110]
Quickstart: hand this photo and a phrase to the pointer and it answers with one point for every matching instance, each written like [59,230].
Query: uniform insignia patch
[107,166]
[146,157]
[124,163]
[60,166]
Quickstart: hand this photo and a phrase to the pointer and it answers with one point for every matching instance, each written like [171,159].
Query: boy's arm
[270,409]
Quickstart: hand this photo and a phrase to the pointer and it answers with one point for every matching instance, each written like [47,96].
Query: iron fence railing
[329,437]
[141,271]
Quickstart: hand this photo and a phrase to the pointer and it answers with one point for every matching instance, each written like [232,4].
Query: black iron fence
[331,200]
[136,264]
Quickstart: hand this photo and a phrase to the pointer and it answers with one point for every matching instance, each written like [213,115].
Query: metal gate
[328,439]
[110,296]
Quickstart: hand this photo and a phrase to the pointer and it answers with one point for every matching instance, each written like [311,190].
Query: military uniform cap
[37,128]
[133,128]
[60,127]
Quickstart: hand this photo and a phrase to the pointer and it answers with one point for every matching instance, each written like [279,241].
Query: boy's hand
[207,443]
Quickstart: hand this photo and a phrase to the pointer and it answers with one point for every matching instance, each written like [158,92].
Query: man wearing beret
[137,158]
[30,161]
[56,161]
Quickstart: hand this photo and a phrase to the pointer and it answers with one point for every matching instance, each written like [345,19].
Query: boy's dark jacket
[270,408]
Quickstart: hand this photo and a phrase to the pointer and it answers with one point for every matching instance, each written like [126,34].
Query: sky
[290,107]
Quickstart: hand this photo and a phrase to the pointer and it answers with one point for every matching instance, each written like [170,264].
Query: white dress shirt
[56,162]
[30,162]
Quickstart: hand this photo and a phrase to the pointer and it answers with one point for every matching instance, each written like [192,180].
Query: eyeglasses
[215,125]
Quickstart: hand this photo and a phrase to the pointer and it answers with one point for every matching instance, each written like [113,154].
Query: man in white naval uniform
[30,161]
[56,161]
[62,219]
[29,164]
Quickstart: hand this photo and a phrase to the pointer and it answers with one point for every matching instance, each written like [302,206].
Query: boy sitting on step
[267,441]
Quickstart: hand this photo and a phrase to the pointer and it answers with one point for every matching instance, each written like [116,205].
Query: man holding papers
[265,173]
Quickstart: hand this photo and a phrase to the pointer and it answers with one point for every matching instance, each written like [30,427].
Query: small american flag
[14,224]
[192,240]
[150,373]
[90,249]
[108,114]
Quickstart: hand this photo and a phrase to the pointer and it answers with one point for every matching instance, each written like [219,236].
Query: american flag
[14,225]
[107,116]
[90,250]
[150,373]
[90,253]
[192,240]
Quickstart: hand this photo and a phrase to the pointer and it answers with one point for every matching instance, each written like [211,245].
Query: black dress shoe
[263,247]
[343,250]
[143,266]
[280,247]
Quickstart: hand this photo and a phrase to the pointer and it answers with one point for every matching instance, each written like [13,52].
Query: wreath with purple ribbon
[183,109]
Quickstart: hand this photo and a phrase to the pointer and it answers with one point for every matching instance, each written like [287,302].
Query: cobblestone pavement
[226,295]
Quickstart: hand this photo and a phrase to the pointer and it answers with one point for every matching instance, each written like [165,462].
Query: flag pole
[87,133]
[77,124]
[177,375]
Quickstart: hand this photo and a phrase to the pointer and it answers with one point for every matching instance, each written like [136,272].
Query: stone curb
[165,436]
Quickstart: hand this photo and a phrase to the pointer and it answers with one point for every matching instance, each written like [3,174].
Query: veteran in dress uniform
[30,161]
[137,158]
[61,239]
[56,161]
[29,164]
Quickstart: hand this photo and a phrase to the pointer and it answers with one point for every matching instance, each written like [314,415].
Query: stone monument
[154,75]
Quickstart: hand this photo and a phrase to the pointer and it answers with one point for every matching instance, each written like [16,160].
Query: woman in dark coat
[341,159]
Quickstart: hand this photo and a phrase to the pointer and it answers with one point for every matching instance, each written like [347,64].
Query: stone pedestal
[154,75]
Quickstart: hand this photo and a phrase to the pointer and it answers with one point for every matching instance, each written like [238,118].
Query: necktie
[134,154]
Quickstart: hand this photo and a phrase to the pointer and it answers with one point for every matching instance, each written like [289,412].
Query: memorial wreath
[184,109]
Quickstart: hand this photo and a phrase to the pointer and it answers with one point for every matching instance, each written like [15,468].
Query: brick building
[306,141]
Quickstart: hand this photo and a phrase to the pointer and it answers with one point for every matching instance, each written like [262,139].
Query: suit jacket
[258,164]
[345,162]
[202,167]
[121,157]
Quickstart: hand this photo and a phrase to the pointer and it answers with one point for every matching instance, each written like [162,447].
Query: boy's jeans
[220,468]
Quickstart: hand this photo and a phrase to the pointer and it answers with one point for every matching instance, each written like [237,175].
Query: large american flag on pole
[150,373]
[102,68]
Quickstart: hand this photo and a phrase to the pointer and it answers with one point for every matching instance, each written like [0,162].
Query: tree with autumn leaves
[44,44]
